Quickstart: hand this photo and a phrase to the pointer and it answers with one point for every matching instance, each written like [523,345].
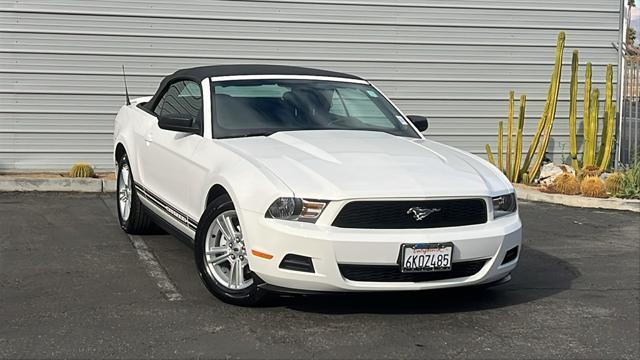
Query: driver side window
[182,97]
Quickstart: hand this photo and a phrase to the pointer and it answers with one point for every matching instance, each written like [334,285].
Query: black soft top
[202,72]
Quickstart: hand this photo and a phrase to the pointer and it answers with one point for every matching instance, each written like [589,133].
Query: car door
[169,165]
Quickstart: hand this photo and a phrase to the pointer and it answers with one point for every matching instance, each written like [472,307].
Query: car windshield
[263,107]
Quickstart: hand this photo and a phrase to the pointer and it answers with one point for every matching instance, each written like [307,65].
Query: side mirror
[178,122]
[420,122]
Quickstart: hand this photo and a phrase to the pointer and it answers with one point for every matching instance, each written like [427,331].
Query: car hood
[334,164]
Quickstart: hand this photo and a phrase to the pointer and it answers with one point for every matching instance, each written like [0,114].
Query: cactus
[515,173]
[536,137]
[573,104]
[592,186]
[490,154]
[586,119]
[509,134]
[500,137]
[588,158]
[608,129]
[553,103]
[81,170]
[590,170]
[567,184]
[613,182]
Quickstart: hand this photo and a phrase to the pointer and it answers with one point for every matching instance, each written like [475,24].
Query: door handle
[148,138]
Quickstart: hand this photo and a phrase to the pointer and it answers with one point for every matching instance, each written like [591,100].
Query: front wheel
[221,256]
[131,215]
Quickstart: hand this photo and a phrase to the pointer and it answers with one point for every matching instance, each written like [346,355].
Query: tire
[132,215]
[214,254]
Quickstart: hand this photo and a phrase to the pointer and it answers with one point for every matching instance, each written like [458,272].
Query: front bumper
[329,246]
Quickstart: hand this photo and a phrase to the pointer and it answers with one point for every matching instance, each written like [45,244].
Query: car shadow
[537,276]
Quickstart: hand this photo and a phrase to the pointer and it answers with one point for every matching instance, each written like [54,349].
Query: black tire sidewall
[248,296]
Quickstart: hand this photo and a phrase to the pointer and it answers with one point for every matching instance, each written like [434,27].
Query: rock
[550,171]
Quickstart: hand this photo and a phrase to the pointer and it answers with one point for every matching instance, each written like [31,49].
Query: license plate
[426,257]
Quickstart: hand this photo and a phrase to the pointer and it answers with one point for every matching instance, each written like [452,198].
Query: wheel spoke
[229,223]
[236,274]
[223,229]
[218,250]
[125,175]
[219,259]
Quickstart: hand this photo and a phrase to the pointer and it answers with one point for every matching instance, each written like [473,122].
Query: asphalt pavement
[73,285]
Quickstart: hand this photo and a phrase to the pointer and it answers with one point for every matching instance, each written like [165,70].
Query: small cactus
[613,182]
[592,186]
[590,170]
[566,184]
[81,170]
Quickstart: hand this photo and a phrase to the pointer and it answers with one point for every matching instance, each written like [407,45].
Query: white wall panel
[60,60]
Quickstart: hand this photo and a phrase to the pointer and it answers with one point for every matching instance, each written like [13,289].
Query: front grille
[398,215]
[392,273]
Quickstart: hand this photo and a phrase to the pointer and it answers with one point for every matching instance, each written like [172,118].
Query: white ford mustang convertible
[300,180]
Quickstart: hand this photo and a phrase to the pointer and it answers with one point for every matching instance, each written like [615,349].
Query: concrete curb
[533,194]
[25,183]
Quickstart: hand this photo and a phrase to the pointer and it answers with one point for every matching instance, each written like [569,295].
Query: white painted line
[154,269]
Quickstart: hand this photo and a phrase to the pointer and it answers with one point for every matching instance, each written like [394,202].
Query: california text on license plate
[426,257]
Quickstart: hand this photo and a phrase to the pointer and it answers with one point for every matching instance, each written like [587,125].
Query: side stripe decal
[168,208]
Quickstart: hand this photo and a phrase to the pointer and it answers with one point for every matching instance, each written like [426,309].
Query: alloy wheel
[226,254]
[124,192]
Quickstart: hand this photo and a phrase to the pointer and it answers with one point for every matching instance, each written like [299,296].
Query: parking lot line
[154,269]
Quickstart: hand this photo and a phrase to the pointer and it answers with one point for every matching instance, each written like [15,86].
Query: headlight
[504,205]
[296,209]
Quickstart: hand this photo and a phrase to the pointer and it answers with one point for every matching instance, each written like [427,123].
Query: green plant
[573,105]
[515,168]
[509,135]
[500,138]
[511,167]
[487,147]
[608,129]
[515,172]
[592,186]
[630,187]
[81,170]
[553,103]
[586,120]
[567,184]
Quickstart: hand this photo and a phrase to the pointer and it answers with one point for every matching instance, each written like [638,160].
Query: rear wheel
[221,256]
[131,213]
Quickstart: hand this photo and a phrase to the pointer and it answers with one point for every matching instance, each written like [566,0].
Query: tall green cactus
[586,121]
[487,147]
[509,134]
[518,156]
[591,137]
[553,103]
[604,155]
[500,137]
[573,105]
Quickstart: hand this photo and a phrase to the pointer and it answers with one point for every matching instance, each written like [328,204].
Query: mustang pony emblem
[419,213]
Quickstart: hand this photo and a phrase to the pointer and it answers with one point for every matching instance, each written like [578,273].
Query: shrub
[630,187]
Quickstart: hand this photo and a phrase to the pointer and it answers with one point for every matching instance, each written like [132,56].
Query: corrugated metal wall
[453,61]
